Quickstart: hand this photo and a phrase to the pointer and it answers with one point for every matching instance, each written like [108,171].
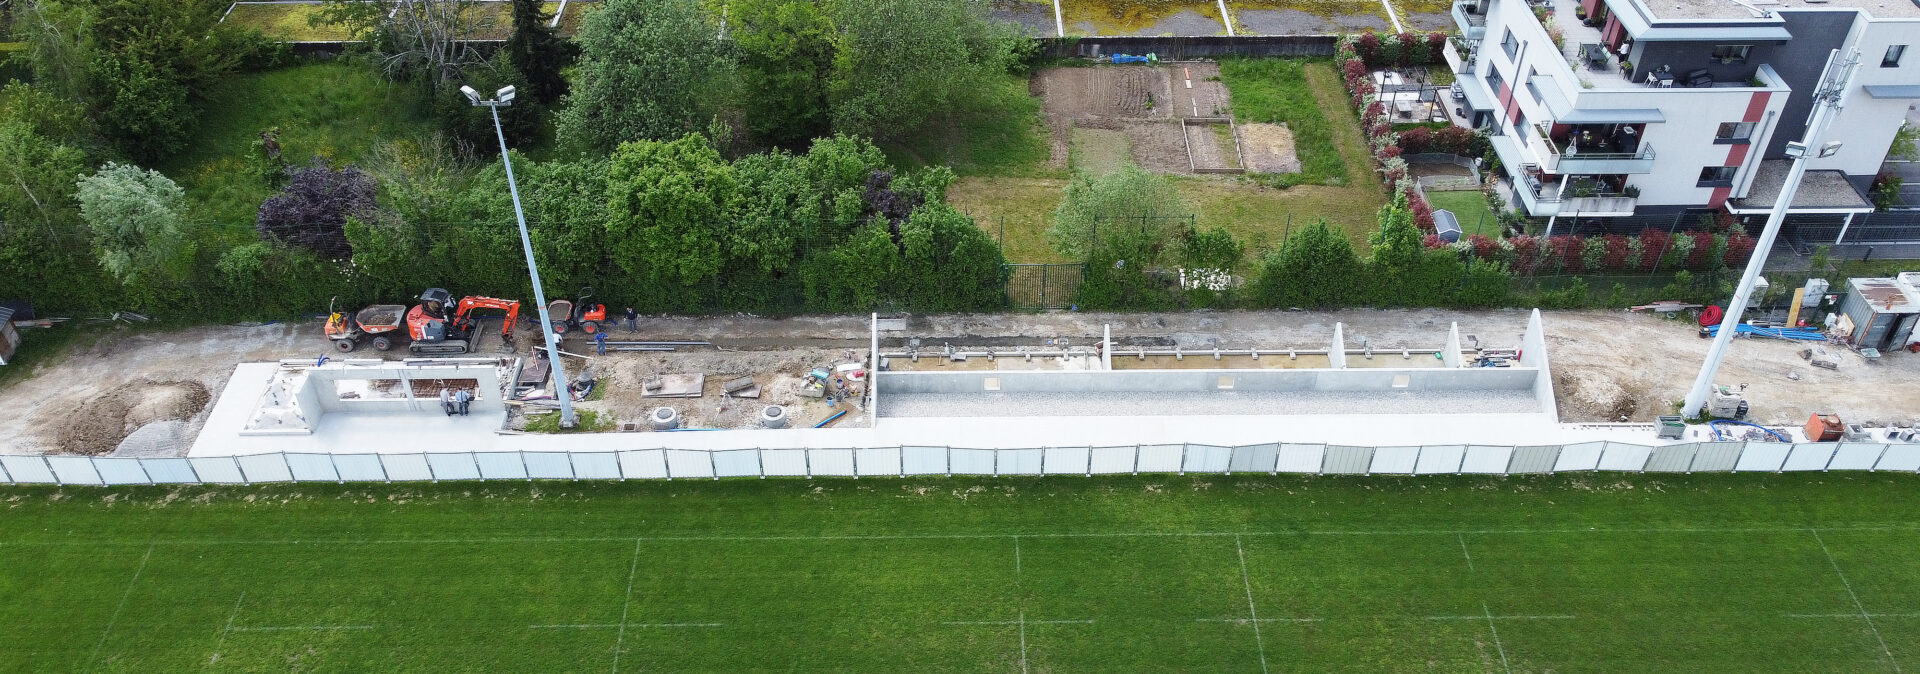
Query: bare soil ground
[1268,148]
[1607,364]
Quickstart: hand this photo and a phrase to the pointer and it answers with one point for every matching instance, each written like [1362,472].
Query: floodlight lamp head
[505,94]
[1796,149]
[472,96]
[1831,148]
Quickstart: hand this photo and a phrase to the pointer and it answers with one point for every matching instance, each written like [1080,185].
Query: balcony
[1471,16]
[1582,197]
[1575,161]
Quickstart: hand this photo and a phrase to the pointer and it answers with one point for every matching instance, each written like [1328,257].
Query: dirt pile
[98,425]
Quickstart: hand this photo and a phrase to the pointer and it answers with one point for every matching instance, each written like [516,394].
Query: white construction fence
[1275,458]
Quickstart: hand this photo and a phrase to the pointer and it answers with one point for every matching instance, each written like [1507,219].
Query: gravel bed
[1006,404]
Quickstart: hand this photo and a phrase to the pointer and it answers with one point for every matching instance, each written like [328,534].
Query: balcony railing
[1471,17]
[1586,162]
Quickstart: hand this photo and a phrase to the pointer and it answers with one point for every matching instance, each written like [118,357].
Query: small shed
[9,336]
[1883,313]
[1446,225]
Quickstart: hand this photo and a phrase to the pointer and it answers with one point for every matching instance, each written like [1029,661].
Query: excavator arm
[512,307]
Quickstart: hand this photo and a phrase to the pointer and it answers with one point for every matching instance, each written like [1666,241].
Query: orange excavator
[440,327]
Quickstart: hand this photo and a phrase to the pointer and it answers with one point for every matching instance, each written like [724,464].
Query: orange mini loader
[439,327]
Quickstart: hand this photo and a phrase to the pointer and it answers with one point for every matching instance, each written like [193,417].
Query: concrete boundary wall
[1266,458]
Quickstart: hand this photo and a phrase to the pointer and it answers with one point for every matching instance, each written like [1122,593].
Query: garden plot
[1142,114]
[1211,145]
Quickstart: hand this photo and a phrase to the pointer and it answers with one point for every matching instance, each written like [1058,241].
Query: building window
[1520,125]
[1731,53]
[1734,133]
[1892,59]
[1512,45]
[1494,82]
[1717,176]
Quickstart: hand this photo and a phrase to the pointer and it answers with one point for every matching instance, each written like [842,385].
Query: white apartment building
[1673,105]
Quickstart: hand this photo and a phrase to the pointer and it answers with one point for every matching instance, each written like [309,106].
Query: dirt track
[1606,364]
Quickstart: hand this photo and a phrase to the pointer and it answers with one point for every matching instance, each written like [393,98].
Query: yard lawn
[1470,206]
[1570,572]
[339,111]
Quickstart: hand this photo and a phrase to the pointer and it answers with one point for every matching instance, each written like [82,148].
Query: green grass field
[1570,573]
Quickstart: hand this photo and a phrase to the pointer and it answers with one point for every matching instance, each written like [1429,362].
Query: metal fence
[1271,459]
[1043,286]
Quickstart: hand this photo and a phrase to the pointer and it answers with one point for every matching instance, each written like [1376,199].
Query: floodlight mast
[504,97]
[1829,96]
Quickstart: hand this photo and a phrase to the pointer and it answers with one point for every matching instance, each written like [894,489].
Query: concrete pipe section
[665,418]
[774,416]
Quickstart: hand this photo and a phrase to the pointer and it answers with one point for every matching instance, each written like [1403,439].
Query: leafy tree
[1119,273]
[1128,198]
[786,58]
[138,222]
[901,62]
[43,243]
[649,70]
[1316,268]
[152,62]
[311,212]
[850,276]
[1398,250]
[538,53]
[666,203]
[949,263]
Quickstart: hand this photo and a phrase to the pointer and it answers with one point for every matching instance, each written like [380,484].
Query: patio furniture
[1660,78]
[1699,78]
[1595,55]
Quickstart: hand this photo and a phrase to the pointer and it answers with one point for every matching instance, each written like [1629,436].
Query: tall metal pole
[1829,96]
[560,384]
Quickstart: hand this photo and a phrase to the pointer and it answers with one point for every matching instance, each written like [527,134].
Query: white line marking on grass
[608,626]
[1016,555]
[1016,622]
[229,628]
[1463,550]
[1856,600]
[620,638]
[1496,638]
[308,628]
[121,607]
[1254,615]
[1499,617]
[1852,615]
[1244,621]
[1023,641]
